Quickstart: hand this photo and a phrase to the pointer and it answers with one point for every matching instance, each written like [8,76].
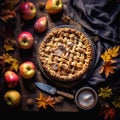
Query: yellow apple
[54,6]
[27,69]
[12,97]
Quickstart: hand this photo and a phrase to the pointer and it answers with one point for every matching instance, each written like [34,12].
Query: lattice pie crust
[65,54]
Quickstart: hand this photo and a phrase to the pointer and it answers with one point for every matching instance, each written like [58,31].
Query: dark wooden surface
[27,88]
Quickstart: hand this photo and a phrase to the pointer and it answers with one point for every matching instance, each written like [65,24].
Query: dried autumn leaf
[114,52]
[8,47]
[7,14]
[107,68]
[7,58]
[9,44]
[116,102]
[106,57]
[14,63]
[44,101]
[110,53]
[108,113]
[66,19]
[105,92]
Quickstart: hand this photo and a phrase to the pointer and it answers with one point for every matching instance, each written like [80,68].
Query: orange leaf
[7,14]
[44,101]
[107,69]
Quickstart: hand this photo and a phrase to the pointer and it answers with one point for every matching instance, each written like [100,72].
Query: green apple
[54,6]
[27,69]
[12,97]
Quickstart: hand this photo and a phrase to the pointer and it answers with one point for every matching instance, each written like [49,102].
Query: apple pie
[65,54]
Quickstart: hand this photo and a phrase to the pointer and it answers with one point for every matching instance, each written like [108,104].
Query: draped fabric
[101,18]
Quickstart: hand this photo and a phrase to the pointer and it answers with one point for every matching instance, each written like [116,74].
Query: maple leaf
[114,52]
[14,63]
[66,19]
[106,57]
[109,113]
[108,68]
[7,14]
[8,47]
[7,58]
[44,101]
[105,92]
[116,102]
[9,44]
[111,53]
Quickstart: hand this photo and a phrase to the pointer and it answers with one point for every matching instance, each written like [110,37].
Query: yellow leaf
[14,66]
[14,63]
[105,92]
[116,102]
[106,57]
[115,51]
[9,44]
[7,58]
[8,47]
[110,53]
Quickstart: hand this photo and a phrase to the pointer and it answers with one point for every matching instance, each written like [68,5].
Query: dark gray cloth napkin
[102,18]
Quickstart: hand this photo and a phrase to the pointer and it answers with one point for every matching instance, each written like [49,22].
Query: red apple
[40,24]
[28,10]
[54,6]
[25,40]
[27,69]
[12,98]
[11,78]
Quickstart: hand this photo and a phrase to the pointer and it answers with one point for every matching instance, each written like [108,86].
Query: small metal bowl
[86,98]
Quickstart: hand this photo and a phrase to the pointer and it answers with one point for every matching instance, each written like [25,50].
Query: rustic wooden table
[27,88]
